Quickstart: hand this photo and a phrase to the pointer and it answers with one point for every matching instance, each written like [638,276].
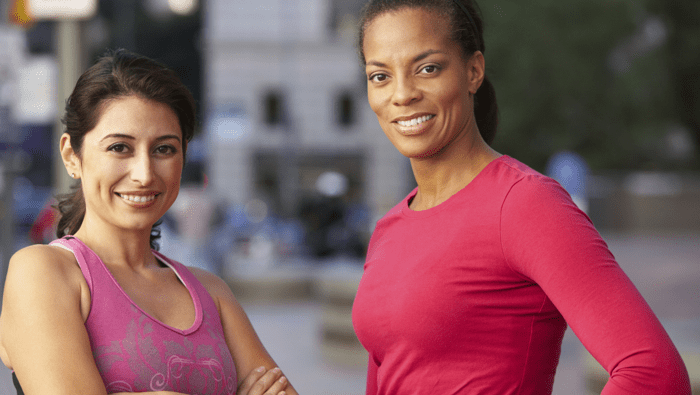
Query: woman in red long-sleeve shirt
[470,280]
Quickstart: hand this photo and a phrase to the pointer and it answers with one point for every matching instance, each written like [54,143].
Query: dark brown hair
[467,29]
[115,75]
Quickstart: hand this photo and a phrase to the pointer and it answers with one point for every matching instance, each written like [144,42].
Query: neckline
[183,279]
[408,212]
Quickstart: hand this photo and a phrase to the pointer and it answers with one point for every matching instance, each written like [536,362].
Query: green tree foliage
[567,78]
[683,57]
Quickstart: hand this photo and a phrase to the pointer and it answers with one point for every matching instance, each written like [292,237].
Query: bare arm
[41,326]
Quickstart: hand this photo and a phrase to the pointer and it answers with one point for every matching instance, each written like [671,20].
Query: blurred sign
[61,9]
[12,49]
[18,14]
[230,126]
[38,81]
[571,171]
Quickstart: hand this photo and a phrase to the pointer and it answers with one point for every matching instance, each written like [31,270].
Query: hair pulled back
[118,74]
[470,37]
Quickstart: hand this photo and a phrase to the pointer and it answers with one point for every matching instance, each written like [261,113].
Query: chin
[417,153]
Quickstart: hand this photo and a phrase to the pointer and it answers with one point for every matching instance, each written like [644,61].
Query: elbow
[656,373]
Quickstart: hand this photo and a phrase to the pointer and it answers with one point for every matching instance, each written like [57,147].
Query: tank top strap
[81,252]
[200,296]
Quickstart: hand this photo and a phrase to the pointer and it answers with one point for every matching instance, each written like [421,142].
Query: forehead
[406,30]
[137,116]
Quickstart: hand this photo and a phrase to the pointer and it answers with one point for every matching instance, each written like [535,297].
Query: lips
[138,198]
[412,125]
[415,121]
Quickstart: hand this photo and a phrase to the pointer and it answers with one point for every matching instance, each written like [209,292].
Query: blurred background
[289,169]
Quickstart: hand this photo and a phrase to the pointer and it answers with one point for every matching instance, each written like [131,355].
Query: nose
[406,92]
[142,169]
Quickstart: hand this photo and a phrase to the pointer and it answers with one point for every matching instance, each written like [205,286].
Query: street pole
[69,55]
[6,214]
[288,162]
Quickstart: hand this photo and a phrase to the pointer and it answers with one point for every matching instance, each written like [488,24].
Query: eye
[118,147]
[378,77]
[166,150]
[430,69]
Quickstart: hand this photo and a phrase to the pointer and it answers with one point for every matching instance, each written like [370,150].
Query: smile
[137,199]
[415,121]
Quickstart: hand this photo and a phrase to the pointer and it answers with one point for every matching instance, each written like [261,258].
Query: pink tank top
[135,352]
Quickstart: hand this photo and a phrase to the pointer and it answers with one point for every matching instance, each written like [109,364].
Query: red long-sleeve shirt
[473,296]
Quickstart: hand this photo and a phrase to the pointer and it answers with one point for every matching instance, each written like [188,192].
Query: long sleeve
[371,377]
[548,240]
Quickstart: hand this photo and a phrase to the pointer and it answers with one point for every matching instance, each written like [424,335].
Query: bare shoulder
[41,281]
[41,270]
[217,287]
[45,260]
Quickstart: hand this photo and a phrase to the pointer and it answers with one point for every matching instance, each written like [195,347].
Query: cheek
[173,173]
[376,102]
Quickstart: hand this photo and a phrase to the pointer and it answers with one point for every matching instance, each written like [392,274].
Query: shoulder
[41,273]
[527,186]
[40,279]
[210,281]
[215,286]
[43,259]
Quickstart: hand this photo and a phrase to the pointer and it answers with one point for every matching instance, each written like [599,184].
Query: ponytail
[486,111]
[71,207]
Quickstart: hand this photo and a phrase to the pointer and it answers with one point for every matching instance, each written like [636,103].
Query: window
[273,108]
[345,109]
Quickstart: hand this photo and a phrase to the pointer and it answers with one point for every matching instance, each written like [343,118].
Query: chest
[155,334]
[437,283]
[161,295]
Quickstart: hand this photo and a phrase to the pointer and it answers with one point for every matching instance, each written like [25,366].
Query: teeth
[138,199]
[415,121]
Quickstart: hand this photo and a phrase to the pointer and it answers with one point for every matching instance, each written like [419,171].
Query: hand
[262,381]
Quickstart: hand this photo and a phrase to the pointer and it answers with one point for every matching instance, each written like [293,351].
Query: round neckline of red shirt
[408,212]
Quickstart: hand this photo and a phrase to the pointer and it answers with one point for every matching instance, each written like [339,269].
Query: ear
[70,158]
[476,71]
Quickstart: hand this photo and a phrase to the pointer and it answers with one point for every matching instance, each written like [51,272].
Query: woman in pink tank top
[100,311]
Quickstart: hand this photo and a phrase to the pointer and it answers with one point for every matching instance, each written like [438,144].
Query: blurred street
[664,266]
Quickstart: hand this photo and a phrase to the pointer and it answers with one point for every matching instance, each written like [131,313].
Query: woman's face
[418,81]
[131,163]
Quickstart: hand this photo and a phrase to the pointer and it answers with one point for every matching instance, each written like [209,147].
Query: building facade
[286,102]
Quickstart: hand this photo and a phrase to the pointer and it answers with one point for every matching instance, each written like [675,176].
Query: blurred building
[286,101]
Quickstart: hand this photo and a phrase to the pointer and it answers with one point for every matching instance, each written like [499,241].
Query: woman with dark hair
[99,310]
[481,267]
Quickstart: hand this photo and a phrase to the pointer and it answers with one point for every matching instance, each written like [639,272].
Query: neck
[449,171]
[117,246]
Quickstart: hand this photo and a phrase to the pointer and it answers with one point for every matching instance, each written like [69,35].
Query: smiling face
[130,164]
[419,83]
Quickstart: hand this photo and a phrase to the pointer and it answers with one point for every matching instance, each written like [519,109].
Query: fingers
[264,382]
[278,384]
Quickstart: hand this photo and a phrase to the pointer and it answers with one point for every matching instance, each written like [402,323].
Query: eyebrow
[126,136]
[418,58]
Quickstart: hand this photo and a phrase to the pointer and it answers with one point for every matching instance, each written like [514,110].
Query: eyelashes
[429,69]
[166,149]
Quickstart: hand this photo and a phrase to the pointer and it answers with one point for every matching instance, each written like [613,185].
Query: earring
[72,175]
